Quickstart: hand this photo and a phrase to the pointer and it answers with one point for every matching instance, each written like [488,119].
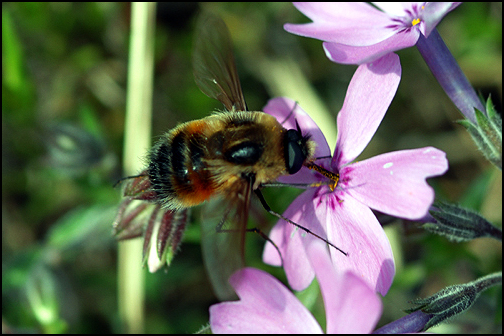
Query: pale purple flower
[267,306]
[357,32]
[393,183]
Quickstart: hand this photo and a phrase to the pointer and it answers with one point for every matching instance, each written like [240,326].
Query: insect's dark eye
[295,151]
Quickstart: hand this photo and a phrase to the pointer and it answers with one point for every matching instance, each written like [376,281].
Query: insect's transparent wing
[214,64]
[163,236]
[140,213]
[224,226]
[135,207]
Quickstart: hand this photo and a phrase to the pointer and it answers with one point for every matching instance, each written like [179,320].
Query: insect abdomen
[177,170]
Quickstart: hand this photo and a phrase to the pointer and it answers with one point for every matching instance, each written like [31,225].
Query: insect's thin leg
[322,157]
[219,229]
[295,185]
[268,209]
[265,237]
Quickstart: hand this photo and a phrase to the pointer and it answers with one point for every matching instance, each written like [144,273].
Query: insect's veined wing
[130,220]
[163,236]
[140,214]
[214,64]
[224,226]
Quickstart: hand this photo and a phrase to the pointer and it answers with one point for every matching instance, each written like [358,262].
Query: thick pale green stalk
[136,142]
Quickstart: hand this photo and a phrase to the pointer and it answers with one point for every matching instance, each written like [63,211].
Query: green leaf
[487,133]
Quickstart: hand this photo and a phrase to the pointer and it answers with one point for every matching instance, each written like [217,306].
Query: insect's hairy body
[201,158]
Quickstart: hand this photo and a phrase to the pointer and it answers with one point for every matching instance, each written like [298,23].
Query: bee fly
[226,156]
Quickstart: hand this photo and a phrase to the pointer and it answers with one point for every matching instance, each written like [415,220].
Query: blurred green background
[64,70]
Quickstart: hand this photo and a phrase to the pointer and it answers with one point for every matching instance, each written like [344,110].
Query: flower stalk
[449,75]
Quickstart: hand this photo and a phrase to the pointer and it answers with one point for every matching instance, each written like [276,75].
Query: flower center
[333,177]
[412,17]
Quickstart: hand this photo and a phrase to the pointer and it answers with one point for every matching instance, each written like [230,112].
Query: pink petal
[368,97]
[350,225]
[304,176]
[351,306]
[350,54]
[397,9]
[434,12]
[335,11]
[354,228]
[352,23]
[265,306]
[289,240]
[282,107]
[394,183]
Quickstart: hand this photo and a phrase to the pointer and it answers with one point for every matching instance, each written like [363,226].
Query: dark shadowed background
[64,70]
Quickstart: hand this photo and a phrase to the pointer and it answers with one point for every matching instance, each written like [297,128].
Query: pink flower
[267,306]
[393,183]
[357,32]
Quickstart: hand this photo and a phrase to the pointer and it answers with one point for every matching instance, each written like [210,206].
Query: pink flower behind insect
[393,183]
[267,306]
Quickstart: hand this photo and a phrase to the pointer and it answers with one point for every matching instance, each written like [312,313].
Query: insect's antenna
[297,127]
[127,178]
[268,209]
